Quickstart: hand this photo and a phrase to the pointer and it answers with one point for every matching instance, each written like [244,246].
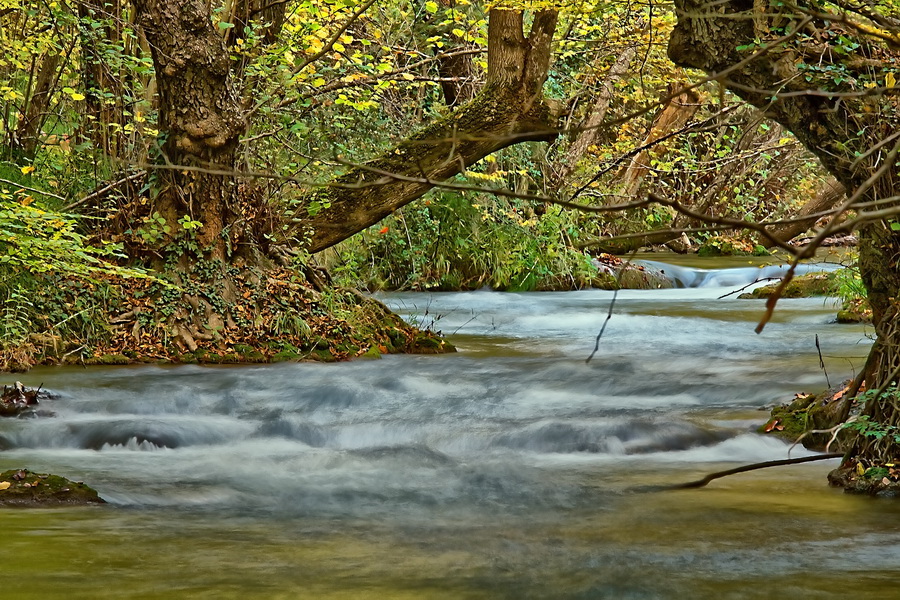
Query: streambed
[504,471]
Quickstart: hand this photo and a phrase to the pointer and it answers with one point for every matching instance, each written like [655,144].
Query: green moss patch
[24,488]
[809,412]
[802,286]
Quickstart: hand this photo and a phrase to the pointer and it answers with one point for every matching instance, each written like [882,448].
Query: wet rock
[17,399]
[615,273]
[24,488]
[808,412]
[802,286]
[876,480]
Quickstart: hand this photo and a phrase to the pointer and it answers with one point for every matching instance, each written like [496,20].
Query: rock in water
[24,488]
[16,399]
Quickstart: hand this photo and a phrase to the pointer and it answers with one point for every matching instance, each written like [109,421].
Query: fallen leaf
[773,424]
[4,485]
[841,393]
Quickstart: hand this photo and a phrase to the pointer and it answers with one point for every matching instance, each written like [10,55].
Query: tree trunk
[851,134]
[588,130]
[199,116]
[104,90]
[28,132]
[510,109]
[673,116]
[828,197]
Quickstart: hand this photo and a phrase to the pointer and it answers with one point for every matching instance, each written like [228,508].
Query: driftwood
[753,467]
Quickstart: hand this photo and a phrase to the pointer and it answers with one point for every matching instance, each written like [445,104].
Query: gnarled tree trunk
[827,197]
[200,116]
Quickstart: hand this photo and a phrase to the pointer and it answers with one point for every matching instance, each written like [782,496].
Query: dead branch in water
[753,467]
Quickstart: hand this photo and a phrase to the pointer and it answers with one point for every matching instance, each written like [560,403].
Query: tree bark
[829,196]
[850,133]
[104,90]
[28,132]
[510,109]
[457,73]
[199,116]
[674,115]
[588,130]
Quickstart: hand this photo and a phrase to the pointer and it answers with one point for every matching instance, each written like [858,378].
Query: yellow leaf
[27,170]
[408,76]
[4,485]
[890,80]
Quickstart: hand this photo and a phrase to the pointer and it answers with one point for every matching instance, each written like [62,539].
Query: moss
[263,312]
[807,412]
[323,356]
[855,311]
[110,359]
[28,489]
[802,286]
[286,355]
[372,353]
[426,342]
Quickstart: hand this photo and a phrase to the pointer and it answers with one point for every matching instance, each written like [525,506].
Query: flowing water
[512,469]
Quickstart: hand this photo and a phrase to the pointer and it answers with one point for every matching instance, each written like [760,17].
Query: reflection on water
[506,470]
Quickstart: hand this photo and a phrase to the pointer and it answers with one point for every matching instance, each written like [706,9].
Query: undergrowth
[461,241]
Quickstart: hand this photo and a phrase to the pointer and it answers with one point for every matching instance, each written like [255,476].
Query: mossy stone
[28,489]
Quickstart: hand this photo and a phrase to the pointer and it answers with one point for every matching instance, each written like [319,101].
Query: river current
[511,469]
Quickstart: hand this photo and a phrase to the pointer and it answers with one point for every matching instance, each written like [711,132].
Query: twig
[741,289]
[822,362]
[612,304]
[103,190]
[31,189]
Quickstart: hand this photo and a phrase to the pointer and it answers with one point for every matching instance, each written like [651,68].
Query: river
[511,469]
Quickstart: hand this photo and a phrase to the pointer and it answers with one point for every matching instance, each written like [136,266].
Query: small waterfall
[689,277]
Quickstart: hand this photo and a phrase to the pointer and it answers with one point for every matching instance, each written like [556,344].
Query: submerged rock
[24,488]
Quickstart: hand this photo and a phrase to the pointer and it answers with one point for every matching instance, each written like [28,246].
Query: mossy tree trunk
[509,109]
[812,78]
[199,116]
